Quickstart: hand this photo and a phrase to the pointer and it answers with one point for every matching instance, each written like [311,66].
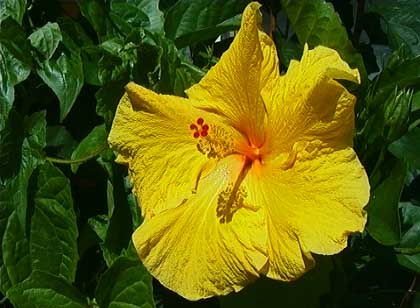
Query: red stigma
[199,129]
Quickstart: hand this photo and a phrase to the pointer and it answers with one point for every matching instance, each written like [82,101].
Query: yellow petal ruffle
[311,208]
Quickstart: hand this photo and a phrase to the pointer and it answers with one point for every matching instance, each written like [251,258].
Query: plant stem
[409,294]
[79,160]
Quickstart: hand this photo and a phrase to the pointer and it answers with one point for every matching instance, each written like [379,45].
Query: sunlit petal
[201,249]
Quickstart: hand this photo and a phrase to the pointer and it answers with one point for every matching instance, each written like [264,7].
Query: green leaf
[15,250]
[173,71]
[128,16]
[16,48]
[120,228]
[90,67]
[15,64]
[53,235]
[316,23]
[411,238]
[287,49]
[118,60]
[401,22]
[126,284]
[185,76]
[96,13]
[11,139]
[46,39]
[14,9]
[6,210]
[416,102]
[36,131]
[400,71]
[385,115]
[269,293]
[410,213]
[43,290]
[92,145]
[7,92]
[14,190]
[14,195]
[62,72]
[408,147]
[59,139]
[383,223]
[107,99]
[74,36]
[166,63]
[188,22]
[99,224]
[65,77]
[151,9]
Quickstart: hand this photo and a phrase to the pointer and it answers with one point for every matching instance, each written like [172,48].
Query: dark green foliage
[66,209]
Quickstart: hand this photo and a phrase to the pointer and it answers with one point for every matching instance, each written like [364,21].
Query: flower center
[214,141]
[254,153]
[251,152]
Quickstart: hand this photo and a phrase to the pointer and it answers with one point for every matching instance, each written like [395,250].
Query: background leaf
[407,149]
[410,239]
[14,9]
[46,39]
[125,284]
[43,290]
[129,15]
[384,224]
[188,22]
[65,77]
[16,254]
[316,23]
[14,196]
[15,64]
[400,22]
[96,13]
[270,293]
[92,145]
[53,235]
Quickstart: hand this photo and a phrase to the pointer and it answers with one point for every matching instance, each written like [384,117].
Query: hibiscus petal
[152,134]
[270,64]
[311,207]
[231,88]
[199,252]
[287,258]
[309,104]
[335,188]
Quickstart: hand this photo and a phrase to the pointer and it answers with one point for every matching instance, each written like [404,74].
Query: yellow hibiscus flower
[249,175]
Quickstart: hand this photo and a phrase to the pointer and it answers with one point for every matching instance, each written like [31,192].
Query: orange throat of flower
[252,153]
